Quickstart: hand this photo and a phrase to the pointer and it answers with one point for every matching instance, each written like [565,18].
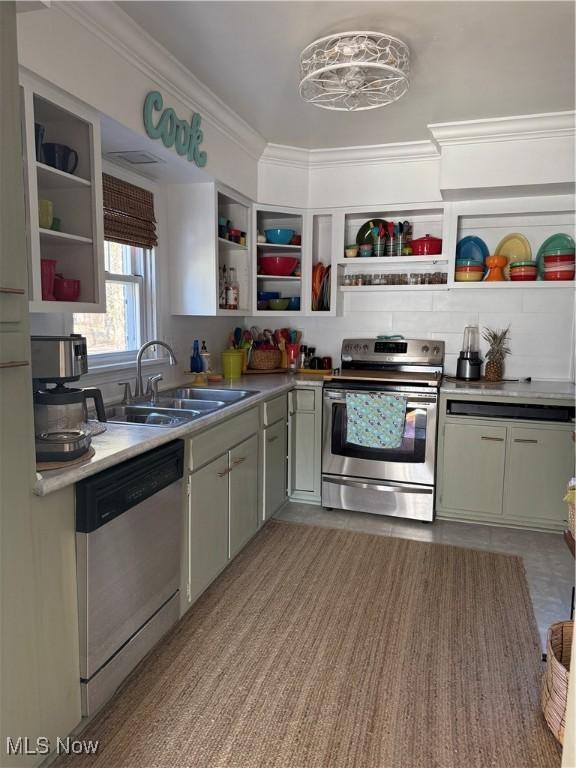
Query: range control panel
[394,350]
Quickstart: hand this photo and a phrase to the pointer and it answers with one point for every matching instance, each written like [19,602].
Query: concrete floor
[548,563]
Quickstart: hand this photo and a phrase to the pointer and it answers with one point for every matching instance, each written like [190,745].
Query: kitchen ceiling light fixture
[353,71]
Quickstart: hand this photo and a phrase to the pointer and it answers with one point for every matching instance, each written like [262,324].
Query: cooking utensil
[365,232]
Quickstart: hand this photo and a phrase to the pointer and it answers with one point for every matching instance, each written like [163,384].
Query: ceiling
[469,60]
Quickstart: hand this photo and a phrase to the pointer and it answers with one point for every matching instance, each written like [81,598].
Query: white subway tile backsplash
[483,299]
[548,300]
[388,301]
[541,324]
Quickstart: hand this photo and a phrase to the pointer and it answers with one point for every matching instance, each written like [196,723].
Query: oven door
[412,462]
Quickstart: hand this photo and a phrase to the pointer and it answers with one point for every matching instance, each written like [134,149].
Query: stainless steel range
[397,480]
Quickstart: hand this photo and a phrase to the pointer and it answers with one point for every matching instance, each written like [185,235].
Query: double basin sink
[175,407]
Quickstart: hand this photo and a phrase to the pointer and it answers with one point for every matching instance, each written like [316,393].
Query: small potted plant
[498,349]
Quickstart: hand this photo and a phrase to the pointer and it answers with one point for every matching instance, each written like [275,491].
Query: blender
[469,362]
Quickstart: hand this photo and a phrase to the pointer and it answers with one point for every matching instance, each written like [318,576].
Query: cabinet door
[208,527]
[540,463]
[274,467]
[473,468]
[243,494]
[303,451]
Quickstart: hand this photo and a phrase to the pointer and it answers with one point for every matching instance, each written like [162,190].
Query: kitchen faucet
[139,393]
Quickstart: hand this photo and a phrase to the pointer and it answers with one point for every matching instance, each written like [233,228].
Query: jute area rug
[322,648]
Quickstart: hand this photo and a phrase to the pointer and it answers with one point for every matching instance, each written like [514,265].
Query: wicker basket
[555,684]
[265,359]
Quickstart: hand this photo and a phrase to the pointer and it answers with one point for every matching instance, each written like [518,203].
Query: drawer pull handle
[522,440]
[493,439]
[238,461]
[224,472]
[15,364]
[272,439]
[17,291]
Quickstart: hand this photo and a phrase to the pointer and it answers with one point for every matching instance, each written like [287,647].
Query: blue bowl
[279,236]
[267,295]
[294,303]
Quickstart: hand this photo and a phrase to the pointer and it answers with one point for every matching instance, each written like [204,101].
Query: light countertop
[124,441]
[553,390]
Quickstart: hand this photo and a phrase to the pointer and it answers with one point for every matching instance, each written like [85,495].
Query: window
[129,319]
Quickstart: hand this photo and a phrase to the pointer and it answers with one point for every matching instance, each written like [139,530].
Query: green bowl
[278,304]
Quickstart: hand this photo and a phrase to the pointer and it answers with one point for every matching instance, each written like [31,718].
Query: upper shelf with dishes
[525,249]
[278,274]
[392,250]
[64,201]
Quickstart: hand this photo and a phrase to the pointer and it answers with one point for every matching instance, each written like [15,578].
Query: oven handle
[426,402]
[391,488]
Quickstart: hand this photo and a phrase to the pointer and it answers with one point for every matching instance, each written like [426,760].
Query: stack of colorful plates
[468,273]
[523,271]
[556,258]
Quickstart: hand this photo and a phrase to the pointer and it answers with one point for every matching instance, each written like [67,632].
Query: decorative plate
[472,248]
[516,248]
[557,242]
[365,232]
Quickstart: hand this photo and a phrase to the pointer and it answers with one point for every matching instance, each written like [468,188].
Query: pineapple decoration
[494,369]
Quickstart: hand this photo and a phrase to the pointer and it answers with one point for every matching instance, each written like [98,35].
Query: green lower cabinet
[275,467]
[473,468]
[305,438]
[208,524]
[540,463]
[243,494]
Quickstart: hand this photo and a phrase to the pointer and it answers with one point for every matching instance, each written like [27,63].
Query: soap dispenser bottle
[196,365]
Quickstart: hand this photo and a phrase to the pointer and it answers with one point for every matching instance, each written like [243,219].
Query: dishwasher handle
[105,496]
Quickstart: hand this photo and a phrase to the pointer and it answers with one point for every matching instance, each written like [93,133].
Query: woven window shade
[128,213]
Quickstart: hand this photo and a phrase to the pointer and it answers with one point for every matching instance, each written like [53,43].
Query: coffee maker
[60,412]
[469,363]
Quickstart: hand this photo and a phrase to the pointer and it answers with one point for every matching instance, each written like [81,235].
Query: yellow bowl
[468,277]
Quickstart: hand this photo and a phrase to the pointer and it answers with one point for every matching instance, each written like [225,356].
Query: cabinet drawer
[304,399]
[275,409]
[215,441]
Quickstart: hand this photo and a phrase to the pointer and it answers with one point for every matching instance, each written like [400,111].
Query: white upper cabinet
[203,222]
[64,198]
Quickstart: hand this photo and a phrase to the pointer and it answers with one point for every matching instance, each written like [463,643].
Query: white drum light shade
[354,71]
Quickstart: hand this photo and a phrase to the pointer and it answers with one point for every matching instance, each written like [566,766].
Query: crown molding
[544,126]
[283,155]
[116,29]
[376,154]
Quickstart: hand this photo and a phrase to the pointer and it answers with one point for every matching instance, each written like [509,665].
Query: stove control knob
[357,347]
[425,348]
[365,348]
[436,350]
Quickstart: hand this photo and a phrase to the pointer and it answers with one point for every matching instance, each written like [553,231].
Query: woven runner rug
[322,648]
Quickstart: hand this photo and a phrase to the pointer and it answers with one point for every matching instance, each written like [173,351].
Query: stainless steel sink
[151,415]
[227,396]
[176,406]
[190,404]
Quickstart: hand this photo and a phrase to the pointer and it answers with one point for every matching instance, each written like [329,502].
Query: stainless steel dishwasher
[128,539]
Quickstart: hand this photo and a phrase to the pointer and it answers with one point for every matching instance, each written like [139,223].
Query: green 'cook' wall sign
[184,137]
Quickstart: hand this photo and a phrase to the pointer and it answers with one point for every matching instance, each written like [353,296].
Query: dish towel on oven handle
[374,419]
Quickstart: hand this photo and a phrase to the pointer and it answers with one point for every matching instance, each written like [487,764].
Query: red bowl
[279,266]
[66,289]
[522,276]
[470,268]
[561,274]
[559,258]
